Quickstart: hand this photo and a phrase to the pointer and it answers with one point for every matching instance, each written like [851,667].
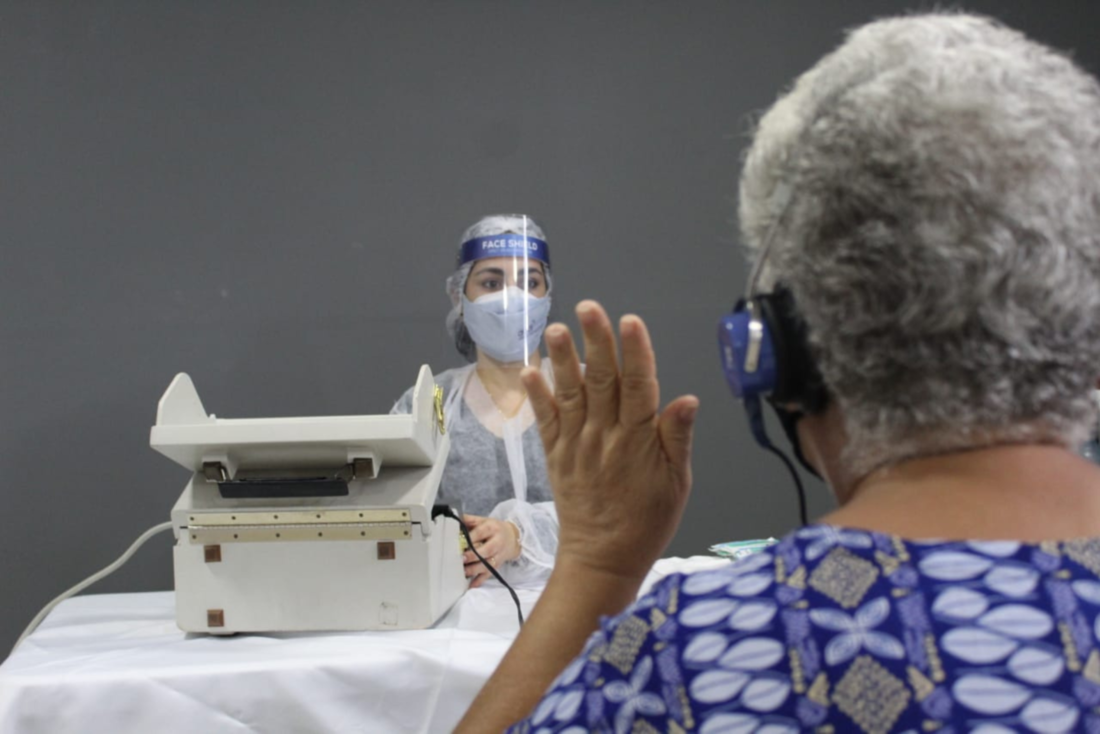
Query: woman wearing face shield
[496,471]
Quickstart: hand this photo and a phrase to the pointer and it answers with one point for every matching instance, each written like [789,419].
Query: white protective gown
[497,468]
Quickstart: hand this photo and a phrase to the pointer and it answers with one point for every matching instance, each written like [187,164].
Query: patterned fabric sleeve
[844,630]
[702,652]
[628,677]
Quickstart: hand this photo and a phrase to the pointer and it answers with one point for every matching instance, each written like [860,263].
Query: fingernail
[687,413]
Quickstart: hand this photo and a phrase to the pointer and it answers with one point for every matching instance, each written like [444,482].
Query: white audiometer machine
[308,524]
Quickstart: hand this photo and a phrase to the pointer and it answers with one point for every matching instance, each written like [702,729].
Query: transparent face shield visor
[505,301]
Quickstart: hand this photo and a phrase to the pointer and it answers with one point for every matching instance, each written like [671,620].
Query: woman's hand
[497,542]
[619,469]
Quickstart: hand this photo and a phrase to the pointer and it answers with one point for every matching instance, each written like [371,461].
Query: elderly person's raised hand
[620,470]
[619,466]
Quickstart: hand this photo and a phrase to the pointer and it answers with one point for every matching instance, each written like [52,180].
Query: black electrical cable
[802,516]
[756,423]
[449,512]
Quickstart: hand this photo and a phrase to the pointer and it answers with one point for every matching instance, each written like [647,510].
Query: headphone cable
[449,512]
[756,423]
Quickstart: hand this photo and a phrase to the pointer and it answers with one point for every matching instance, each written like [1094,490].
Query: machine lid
[185,433]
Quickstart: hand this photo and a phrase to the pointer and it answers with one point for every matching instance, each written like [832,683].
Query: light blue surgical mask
[506,325]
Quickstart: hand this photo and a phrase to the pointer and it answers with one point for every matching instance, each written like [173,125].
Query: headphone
[765,355]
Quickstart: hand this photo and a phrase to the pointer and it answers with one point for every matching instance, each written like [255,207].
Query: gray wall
[268,196]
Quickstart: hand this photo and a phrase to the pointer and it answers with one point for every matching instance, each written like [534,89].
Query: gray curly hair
[933,197]
[487,226]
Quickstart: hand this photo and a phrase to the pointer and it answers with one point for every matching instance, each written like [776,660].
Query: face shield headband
[504,245]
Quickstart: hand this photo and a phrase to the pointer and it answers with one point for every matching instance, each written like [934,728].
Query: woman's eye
[490,284]
[534,284]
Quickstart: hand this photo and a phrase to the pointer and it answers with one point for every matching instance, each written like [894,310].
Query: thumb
[676,427]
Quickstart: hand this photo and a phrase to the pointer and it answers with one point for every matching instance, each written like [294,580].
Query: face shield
[505,303]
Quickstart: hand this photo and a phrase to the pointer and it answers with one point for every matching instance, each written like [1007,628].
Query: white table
[117,663]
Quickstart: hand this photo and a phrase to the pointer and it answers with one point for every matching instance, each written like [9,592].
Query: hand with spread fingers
[619,466]
[620,469]
[497,541]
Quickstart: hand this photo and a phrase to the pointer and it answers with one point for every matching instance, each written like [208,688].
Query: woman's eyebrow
[500,272]
[533,268]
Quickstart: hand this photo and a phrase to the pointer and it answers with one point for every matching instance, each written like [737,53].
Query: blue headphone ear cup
[734,343]
[797,380]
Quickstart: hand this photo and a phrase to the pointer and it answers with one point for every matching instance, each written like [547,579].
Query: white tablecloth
[117,663]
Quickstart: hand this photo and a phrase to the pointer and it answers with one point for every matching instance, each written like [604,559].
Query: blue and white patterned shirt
[840,630]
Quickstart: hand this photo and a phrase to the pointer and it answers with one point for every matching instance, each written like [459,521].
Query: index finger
[542,402]
[601,364]
[569,394]
[481,533]
[641,393]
